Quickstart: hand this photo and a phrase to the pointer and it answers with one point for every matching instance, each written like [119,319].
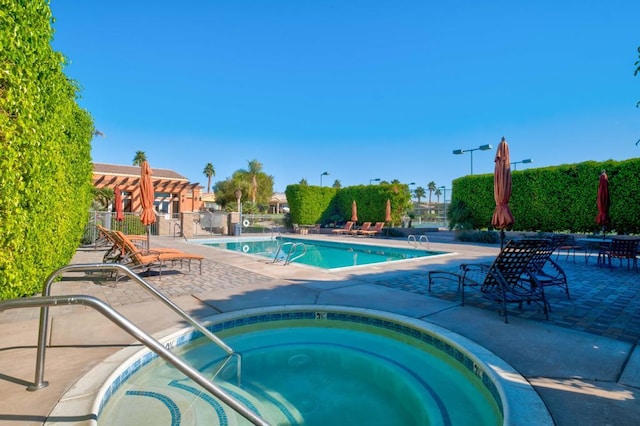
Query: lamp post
[526,161]
[480,148]
[444,201]
[323,174]
[374,180]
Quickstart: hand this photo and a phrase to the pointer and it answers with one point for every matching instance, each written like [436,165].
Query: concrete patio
[583,362]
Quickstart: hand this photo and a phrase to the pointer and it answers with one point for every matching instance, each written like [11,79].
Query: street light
[481,148]
[444,202]
[323,174]
[374,180]
[527,161]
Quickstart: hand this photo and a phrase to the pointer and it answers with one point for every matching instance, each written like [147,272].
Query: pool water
[311,372]
[326,254]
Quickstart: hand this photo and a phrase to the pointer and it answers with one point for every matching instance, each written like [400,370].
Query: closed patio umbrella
[502,216]
[603,201]
[354,212]
[147,197]
[118,204]
[387,212]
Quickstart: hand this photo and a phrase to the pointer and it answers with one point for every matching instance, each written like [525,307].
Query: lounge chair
[115,252]
[344,230]
[505,280]
[377,228]
[366,226]
[136,258]
[569,246]
[546,271]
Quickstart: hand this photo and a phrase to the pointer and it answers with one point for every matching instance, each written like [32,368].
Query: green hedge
[330,206]
[560,198]
[45,160]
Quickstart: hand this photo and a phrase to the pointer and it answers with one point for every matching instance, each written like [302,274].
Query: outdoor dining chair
[620,248]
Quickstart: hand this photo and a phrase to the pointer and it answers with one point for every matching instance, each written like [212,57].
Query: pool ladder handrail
[96,267]
[418,241]
[147,340]
[292,252]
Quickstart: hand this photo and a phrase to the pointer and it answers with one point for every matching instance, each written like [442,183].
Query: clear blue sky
[360,89]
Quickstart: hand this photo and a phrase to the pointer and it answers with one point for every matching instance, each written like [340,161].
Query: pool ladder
[411,239]
[45,301]
[296,251]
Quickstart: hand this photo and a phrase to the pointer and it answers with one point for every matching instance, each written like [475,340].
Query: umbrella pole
[148,237]
[501,239]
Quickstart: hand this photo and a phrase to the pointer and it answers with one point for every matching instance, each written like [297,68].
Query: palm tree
[209,171]
[140,158]
[337,184]
[255,167]
[431,186]
[419,192]
[438,193]
[303,182]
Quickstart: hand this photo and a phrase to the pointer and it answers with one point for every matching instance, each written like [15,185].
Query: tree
[431,187]
[438,193]
[337,184]
[419,192]
[140,158]
[255,167]
[209,171]
[304,182]
[246,182]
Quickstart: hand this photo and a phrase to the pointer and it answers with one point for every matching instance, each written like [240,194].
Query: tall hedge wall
[45,160]
[314,204]
[560,198]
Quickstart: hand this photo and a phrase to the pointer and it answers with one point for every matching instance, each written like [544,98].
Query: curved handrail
[280,246]
[44,310]
[144,338]
[293,250]
[417,241]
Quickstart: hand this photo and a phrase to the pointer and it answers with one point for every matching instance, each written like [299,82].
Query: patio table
[592,245]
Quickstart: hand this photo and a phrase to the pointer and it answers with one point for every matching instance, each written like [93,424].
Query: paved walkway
[583,361]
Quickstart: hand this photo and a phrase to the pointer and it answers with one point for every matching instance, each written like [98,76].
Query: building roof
[278,197]
[134,171]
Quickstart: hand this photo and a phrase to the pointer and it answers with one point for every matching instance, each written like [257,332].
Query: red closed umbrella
[502,216]
[387,212]
[118,203]
[147,197]
[354,212]
[604,202]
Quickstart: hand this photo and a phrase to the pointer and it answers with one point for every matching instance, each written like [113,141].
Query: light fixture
[526,161]
[323,174]
[486,147]
[374,180]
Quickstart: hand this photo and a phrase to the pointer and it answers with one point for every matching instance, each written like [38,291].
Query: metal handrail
[44,311]
[138,334]
[280,246]
[293,250]
[418,241]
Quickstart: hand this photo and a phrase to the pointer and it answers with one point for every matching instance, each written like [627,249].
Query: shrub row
[45,160]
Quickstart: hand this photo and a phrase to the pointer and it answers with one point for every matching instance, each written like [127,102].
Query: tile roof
[134,171]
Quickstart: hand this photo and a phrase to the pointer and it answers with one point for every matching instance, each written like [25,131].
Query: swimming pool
[322,253]
[380,369]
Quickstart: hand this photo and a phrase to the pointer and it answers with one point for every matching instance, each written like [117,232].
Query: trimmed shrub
[45,160]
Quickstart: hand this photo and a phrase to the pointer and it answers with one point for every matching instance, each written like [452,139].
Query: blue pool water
[326,254]
[312,367]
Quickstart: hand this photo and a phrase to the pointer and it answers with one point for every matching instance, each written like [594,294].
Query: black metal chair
[620,248]
[546,271]
[505,280]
